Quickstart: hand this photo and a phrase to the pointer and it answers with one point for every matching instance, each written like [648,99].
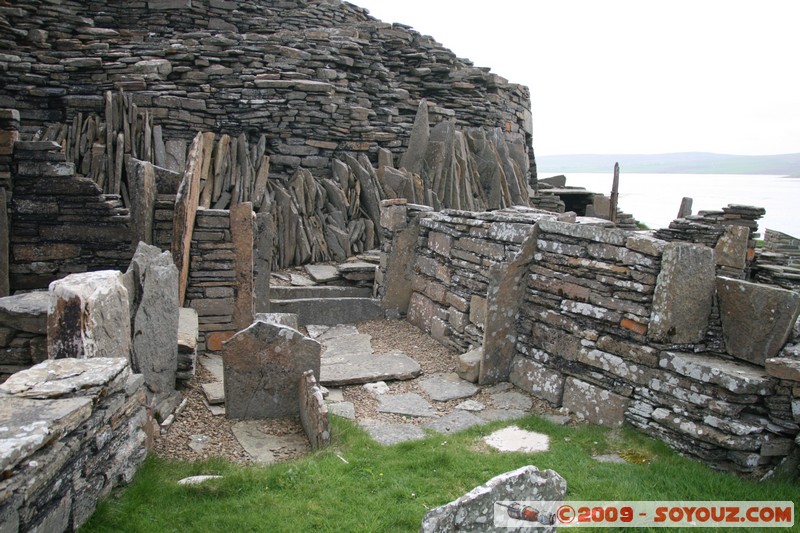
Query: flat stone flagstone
[336,371]
[514,439]
[443,388]
[408,404]
[345,346]
[454,422]
[386,433]
[511,400]
[325,333]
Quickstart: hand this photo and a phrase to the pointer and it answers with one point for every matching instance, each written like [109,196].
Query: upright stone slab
[477,510]
[731,249]
[414,156]
[683,294]
[756,319]
[186,211]
[264,237]
[143,192]
[399,273]
[242,237]
[89,316]
[263,365]
[314,412]
[504,298]
[156,315]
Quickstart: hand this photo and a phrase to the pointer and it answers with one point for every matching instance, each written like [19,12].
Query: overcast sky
[633,76]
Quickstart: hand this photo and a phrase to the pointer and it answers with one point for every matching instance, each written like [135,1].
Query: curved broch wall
[316,78]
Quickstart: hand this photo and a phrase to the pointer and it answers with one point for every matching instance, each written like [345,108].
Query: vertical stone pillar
[265,233]
[242,237]
[143,193]
[504,298]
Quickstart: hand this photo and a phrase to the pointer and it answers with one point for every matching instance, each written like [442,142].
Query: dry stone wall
[73,430]
[62,223]
[316,78]
[617,326]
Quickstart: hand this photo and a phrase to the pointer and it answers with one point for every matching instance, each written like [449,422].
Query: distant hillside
[677,163]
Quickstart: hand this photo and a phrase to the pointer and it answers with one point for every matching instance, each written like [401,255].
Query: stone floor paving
[348,359]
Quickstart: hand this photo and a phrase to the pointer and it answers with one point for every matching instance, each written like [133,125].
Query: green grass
[391,488]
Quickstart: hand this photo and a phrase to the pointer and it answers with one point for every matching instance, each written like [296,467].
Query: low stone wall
[614,325]
[73,430]
[23,331]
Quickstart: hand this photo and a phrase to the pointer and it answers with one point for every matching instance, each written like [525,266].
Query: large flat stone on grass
[355,368]
[477,510]
[756,319]
[263,365]
[514,439]
[408,404]
[443,388]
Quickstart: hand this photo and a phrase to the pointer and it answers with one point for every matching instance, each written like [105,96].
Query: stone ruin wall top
[318,78]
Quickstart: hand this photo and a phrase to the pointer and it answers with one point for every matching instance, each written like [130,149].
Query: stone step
[319,291]
[330,311]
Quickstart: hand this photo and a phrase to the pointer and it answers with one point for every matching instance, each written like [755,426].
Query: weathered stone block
[784,368]
[26,311]
[731,249]
[89,316]
[477,310]
[440,243]
[598,406]
[538,380]
[476,510]
[469,364]
[263,365]
[683,294]
[756,319]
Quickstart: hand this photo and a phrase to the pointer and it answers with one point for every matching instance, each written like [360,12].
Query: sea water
[654,199]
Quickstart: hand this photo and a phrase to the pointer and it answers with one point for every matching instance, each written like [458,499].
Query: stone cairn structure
[617,326]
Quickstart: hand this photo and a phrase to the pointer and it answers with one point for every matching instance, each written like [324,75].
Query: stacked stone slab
[74,430]
[314,77]
[62,222]
[614,325]
[220,285]
[778,262]
[456,252]
[23,331]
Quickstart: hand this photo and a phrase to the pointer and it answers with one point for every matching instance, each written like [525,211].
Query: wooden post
[612,210]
